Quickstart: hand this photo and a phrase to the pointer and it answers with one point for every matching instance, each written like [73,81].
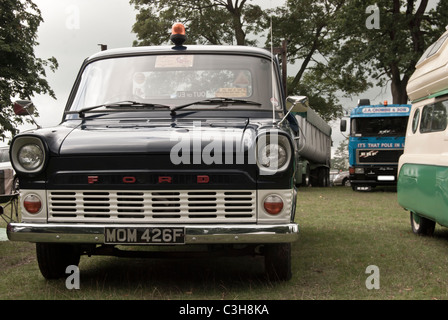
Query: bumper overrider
[192,234]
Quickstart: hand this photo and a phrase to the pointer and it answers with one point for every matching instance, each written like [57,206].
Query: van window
[437,46]
[434,117]
[415,120]
[433,49]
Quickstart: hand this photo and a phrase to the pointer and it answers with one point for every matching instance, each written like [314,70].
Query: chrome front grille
[199,206]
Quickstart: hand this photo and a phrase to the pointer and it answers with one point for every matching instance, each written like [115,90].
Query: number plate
[386,178]
[143,235]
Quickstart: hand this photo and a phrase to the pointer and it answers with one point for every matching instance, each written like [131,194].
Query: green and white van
[423,168]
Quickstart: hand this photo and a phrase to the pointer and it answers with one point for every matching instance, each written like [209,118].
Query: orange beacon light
[178,35]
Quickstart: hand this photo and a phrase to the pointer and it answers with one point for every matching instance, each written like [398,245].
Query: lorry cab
[376,143]
[163,146]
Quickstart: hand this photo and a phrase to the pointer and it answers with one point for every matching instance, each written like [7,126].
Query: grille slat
[152,206]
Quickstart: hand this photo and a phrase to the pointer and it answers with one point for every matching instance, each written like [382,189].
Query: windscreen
[375,126]
[177,79]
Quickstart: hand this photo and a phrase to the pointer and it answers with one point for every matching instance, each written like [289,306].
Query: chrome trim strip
[194,234]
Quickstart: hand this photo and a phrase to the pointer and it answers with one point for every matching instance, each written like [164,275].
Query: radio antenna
[272,70]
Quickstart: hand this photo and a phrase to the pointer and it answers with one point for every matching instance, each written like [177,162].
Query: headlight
[359,170]
[273,156]
[273,153]
[28,154]
[30,157]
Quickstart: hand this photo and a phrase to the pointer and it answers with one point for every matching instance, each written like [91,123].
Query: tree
[308,26]
[207,21]
[340,159]
[21,74]
[382,40]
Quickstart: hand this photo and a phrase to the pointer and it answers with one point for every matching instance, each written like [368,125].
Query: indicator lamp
[178,35]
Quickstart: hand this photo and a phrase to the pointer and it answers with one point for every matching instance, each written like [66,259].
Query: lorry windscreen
[378,126]
[177,79]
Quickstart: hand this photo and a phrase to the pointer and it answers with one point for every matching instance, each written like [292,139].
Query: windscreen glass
[375,126]
[178,79]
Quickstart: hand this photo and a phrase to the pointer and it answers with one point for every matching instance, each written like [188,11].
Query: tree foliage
[207,21]
[386,53]
[308,26]
[335,52]
[21,74]
[340,158]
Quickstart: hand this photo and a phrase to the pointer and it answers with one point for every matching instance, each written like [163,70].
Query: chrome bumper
[194,234]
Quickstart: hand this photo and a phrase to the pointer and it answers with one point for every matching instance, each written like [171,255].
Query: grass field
[342,233]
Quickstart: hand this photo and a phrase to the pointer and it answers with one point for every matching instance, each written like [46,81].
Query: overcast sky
[72,30]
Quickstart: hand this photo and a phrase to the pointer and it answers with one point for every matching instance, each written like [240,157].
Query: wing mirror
[343,125]
[25,108]
[295,104]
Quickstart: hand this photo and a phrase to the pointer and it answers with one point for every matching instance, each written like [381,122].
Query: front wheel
[54,258]
[277,260]
[421,225]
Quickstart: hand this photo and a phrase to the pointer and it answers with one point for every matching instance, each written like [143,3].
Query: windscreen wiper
[119,104]
[220,101]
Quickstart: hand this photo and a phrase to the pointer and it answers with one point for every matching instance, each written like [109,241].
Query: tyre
[321,177]
[421,225]
[54,258]
[277,261]
[306,177]
[326,177]
[346,183]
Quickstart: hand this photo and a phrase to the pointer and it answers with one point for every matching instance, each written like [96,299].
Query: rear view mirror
[297,103]
[23,107]
[343,125]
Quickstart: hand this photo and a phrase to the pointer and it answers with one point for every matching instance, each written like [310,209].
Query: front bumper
[378,175]
[194,234]
[366,182]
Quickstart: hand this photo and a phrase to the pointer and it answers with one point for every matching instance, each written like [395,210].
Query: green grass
[342,232]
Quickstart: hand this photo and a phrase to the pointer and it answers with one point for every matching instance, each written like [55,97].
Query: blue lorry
[377,136]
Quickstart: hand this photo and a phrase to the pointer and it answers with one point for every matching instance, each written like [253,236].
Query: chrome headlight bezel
[28,155]
[273,142]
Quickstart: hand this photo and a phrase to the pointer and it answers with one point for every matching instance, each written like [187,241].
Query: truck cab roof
[211,49]
[380,110]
